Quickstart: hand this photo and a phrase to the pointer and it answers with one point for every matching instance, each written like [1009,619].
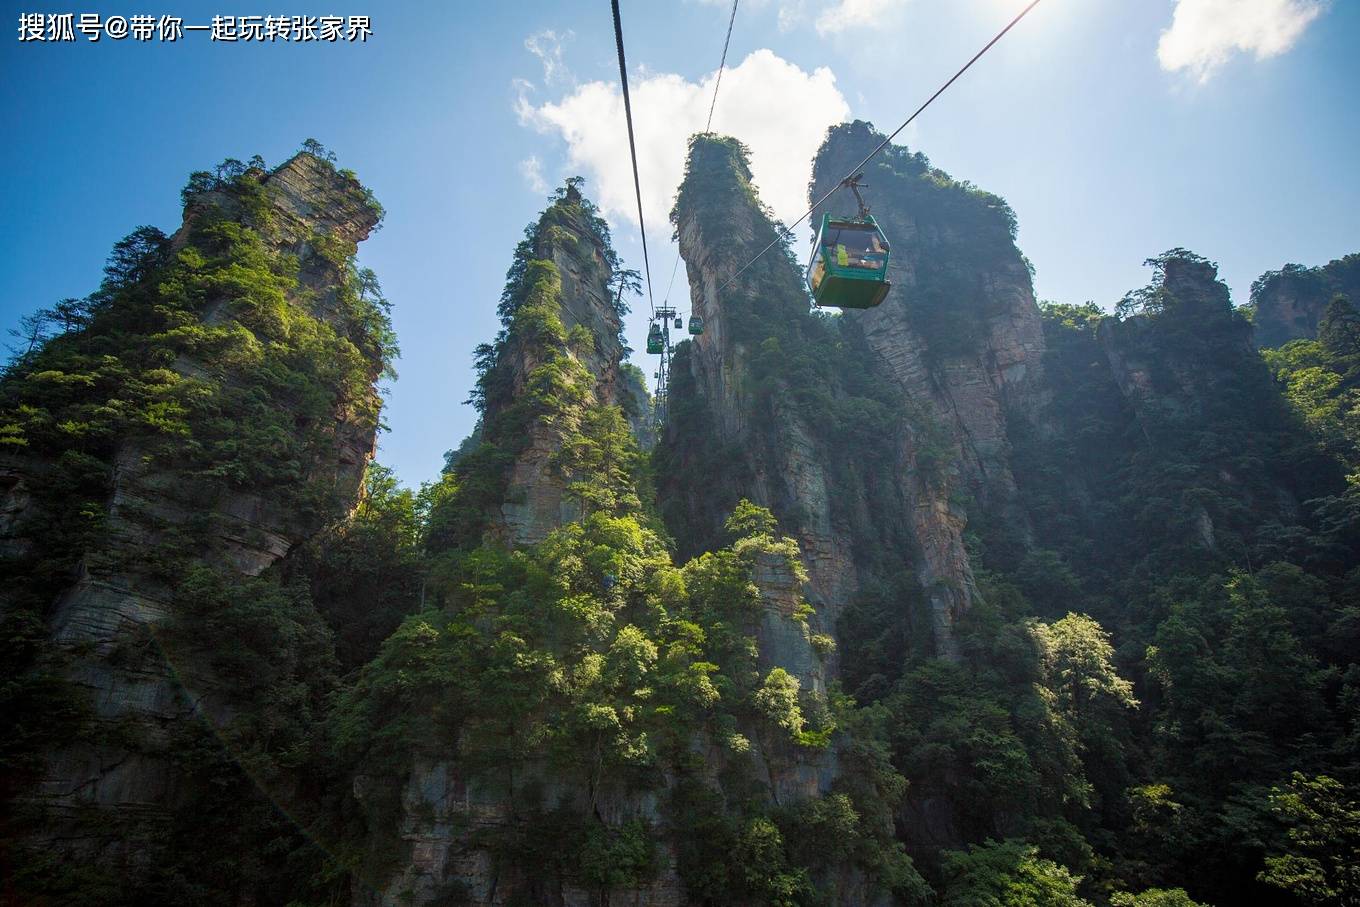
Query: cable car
[678,323]
[849,264]
[696,325]
[654,341]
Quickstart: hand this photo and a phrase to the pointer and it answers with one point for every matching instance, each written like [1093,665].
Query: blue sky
[1239,140]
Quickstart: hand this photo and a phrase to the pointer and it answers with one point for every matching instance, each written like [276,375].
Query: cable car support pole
[785,232]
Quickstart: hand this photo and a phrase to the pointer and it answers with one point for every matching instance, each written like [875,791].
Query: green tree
[1080,661]
[601,461]
[1154,897]
[777,700]
[748,520]
[1321,859]
[367,573]
[1006,874]
[1339,330]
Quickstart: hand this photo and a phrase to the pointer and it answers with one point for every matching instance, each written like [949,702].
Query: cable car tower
[659,344]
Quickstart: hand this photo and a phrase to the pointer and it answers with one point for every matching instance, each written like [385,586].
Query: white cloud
[777,109]
[547,46]
[854,14]
[1204,34]
[792,13]
[531,168]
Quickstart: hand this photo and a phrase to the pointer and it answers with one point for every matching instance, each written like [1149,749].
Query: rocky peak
[1182,358]
[934,376]
[769,451]
[244,451]
[562,313]
[1185,306]
[960,331]
[1289,303]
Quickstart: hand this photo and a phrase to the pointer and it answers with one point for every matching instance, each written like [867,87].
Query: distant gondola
[696,325]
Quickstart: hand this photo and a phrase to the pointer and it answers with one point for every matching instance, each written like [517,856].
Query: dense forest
[870,620]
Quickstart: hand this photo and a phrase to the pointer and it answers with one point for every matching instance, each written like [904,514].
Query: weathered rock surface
[944,234]
[448,816]
[1289,302]
[107,622]
[774,459]
[536,501]
[906,513]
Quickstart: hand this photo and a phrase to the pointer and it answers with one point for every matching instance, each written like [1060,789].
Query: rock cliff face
[960,330]
[1130,396]
[1187,360]
[1150,380]
[1290,302]
[958,343]
[960,334]
[453,815]
[535,502]
[109,621]
[766,450]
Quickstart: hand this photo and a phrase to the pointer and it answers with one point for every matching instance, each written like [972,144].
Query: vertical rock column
[972,365]
[721,226]
[108,621]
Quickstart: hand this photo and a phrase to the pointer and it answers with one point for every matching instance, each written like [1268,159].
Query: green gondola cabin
[696,325]
[654,341]
[849,265]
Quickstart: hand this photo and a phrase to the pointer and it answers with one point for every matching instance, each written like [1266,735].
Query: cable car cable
[785,232]
[632,149]
[721,65]
[708,127]
[675,267]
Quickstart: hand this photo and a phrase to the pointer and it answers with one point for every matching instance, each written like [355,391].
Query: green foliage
[777,700]
[1321,859]
[1154,897]
[1321,380]
[601,461]
[749,520]
[623,857]
[193,378]
[1006,874]
[589,659]
[1239,690]
[554,401]
[1300,295]
[367,573]
[1079,661]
